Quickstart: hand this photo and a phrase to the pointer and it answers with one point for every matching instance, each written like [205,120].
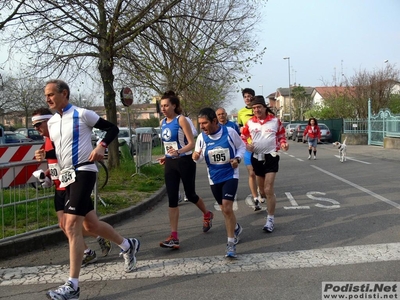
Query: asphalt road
[334,222]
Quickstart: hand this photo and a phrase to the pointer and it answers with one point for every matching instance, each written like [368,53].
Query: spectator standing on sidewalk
[40,117]
[179,142]
[70,130]
[222,149]
[244,115]
[313,133]
[267,137]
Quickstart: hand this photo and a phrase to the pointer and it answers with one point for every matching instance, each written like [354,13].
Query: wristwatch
[103,144]
[238,159]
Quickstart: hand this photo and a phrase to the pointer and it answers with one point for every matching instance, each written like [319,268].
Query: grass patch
[123,190]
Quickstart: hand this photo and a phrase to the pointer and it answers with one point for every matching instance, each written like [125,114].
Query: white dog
[342,149]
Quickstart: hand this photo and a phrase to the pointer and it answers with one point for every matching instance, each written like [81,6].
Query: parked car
[298,133]
[289,129]
[123,135]
[14,137]
[31,133]
[156,141]
[326,134]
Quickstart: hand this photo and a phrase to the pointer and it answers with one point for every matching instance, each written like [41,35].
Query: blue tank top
[218,154]
[173,136]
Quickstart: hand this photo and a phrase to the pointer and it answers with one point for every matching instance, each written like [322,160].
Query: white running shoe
[64,292]
[269,226]
[130,255]
[230,250]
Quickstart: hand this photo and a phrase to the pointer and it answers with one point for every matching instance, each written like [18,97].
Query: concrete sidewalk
[45,239]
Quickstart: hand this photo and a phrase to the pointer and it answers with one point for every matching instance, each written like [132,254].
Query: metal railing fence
[144,145]
[355,126]
[26,208]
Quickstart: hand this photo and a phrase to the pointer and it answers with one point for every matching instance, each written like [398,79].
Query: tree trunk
[106,71]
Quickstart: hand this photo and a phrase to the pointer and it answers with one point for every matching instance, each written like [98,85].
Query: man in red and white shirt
[267,138]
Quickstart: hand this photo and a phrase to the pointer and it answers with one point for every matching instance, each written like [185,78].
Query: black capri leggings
[182,168]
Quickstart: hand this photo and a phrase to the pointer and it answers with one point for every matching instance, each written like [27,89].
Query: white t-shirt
[71,134]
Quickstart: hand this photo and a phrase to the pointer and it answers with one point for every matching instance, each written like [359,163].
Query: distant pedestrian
[222,149]
[179,142]
[313,134]
[267,136]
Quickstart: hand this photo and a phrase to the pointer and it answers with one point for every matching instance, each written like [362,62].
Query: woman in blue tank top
[178,141]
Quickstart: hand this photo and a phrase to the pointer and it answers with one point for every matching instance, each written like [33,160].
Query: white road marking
[353,159]
[325,257]
[293,202]
[379,197]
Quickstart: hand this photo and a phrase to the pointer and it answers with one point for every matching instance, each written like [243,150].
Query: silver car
[289,129]
[326,134]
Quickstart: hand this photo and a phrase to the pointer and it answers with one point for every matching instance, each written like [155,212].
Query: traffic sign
[126,96]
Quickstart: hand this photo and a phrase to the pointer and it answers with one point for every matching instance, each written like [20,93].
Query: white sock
[236,226]
[231,240]
[270,217]
[125,245]
[75,282]
[87,251]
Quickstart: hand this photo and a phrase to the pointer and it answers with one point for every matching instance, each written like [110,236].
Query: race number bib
[54,171]
[170,145]
[219,156]
[67,176]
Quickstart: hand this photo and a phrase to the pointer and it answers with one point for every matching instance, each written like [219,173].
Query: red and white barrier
[17,163]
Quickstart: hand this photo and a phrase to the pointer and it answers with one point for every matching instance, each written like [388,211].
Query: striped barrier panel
[17,163]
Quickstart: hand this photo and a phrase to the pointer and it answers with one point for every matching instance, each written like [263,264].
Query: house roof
[327,91]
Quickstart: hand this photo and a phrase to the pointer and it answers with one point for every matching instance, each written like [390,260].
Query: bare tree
[199,52]
[73,37]
[22,95]
[92,37]
[376,85]
[9,11]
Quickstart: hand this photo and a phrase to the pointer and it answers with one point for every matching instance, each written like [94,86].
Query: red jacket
[312,134]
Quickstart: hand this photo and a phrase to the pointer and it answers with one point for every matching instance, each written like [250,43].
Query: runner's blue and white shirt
[173,136]
[71,135]
[218,149]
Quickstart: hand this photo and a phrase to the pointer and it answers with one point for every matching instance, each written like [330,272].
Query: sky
[323,40]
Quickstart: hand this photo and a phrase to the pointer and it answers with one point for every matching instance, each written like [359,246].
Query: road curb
[44,239]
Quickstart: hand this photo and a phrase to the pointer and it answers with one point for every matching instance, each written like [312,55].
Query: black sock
[309,151]
[315,153]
